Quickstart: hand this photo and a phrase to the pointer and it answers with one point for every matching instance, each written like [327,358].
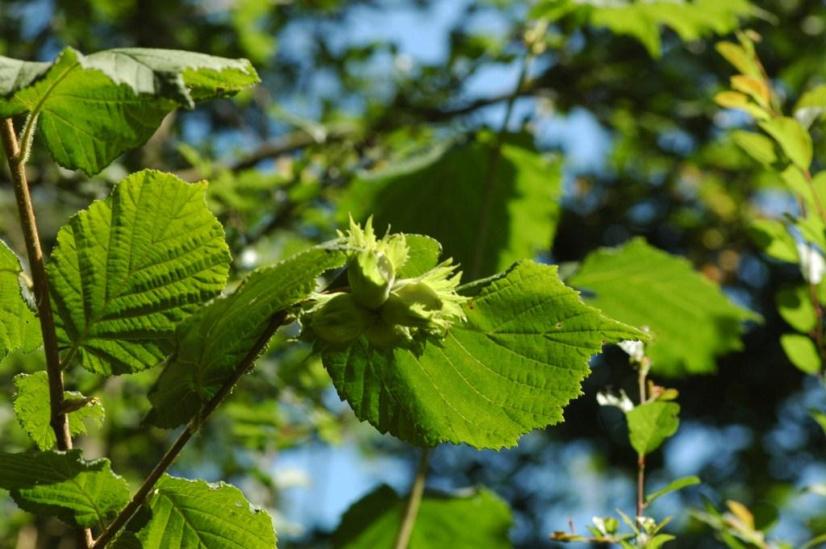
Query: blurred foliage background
[610,136]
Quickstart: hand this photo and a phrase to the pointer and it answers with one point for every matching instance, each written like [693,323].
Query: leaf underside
[62,484]
[198,515]
[128,269]
[511,368]
[691,319]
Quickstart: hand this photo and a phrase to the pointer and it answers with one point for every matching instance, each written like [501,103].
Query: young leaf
[691,319]
[62,484]
[773,238]
[672,486]
[476,519]
[792,138]
[423,254]
[642,20]
[211,343]
[511,368]
[444,196]
[811,106]
[93,108]
[802,352]
[651,423]
[193,513]
[756,145]
[795,306]
[129,268]
[31,406]
[19,329]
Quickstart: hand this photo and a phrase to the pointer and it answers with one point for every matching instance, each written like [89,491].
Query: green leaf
[672,486]
[19,329]
[423,254]
[642,20]
[512,367]
[129,268]
[651,423]
[62,484]
[802,352]
[470,520]
[93,108]
[811,105]
[792,138]
[196,514]
[31,406]
[773,238]
[444,196]
[756,145]
[794,304]
[691,319]
[211,343]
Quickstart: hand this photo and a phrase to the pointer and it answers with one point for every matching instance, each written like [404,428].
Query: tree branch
[413,502]
[296,141]
[17,166]
[244,366]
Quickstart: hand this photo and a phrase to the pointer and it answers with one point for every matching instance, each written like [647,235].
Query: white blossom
[621,400]
[599,523]
[812,263]
[634,348]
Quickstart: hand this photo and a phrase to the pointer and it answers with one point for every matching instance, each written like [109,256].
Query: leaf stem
[244,366]
[40,283]
[642,375]
[413,502]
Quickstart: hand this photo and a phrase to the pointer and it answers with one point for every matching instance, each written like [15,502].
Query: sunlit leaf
[92,108]
[511,368]
[126,270]
[651,423]
[692,321]
[64,485]
[19,328]
[193,513]
[32,408]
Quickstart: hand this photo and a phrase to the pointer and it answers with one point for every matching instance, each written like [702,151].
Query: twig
[244,366]
[644,366]
[16,157]
[413,502]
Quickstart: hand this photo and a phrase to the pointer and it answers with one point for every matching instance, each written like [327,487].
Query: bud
[338,319]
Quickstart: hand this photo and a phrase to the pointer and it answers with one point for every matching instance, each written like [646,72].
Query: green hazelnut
[371,275]
[340,320]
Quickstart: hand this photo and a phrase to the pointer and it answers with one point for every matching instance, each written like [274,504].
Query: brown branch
[40,287]
[40,281]
[244,366]
[296,141]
